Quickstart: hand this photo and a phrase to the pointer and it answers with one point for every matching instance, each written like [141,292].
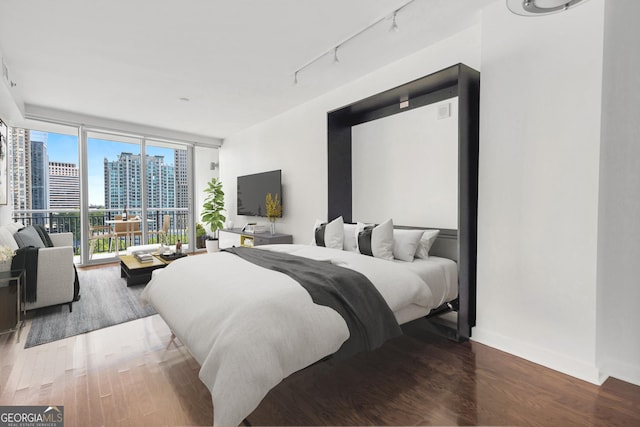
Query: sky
[64,148]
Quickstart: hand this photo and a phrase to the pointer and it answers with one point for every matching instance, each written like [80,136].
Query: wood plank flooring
[124,376]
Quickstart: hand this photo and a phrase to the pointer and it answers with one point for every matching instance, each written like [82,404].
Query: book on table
[144,257]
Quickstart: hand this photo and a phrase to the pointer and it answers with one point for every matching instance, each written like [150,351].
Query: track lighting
[394,25]
[334,49]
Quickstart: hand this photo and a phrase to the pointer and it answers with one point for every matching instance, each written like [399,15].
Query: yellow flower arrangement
[274,208]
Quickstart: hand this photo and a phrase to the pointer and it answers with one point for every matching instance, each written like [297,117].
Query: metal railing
[62,221]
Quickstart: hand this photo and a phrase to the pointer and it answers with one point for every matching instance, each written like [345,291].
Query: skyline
[64,148]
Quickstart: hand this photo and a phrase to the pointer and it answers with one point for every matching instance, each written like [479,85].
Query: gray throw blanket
[27,258]
[369,319]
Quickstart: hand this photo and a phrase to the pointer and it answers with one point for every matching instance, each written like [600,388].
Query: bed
[249,327]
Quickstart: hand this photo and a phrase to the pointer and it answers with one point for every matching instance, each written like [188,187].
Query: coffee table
[137,272]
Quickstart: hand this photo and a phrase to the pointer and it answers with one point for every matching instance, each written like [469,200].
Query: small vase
[272,228]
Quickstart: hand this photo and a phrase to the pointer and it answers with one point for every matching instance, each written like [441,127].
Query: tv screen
[253,189]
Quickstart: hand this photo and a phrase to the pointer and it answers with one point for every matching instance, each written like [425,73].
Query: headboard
[446,244]
[459,243]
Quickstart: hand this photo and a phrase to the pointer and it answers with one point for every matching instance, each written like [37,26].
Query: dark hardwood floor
[124,376]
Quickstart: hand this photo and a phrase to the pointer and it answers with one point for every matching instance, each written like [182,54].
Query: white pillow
[427,240]
[330,235]
[350,241]
[405,243]
[376,241]
[6,238]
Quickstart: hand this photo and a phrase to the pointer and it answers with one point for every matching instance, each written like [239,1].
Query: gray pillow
[28,236]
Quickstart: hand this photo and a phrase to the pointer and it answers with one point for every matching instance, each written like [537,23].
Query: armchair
[56,272]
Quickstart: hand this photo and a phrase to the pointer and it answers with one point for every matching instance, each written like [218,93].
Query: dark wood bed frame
[458,80]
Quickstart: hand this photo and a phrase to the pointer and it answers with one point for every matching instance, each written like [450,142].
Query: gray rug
[105,300]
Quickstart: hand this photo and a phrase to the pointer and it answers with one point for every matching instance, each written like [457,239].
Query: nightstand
[12,308]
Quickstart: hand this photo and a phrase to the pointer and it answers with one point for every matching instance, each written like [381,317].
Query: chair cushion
[44,235]
[28,236]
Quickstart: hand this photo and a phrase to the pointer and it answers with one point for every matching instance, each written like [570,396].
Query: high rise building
[122,183]
[182,187]
[64,186]
[182,182]
[39,171]
[20,168]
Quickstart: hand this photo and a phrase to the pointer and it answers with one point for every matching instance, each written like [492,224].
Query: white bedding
[249,328]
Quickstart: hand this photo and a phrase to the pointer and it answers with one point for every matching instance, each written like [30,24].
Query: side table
[13,307]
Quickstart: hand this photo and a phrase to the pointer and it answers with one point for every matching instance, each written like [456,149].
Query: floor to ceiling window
[44,179]
[167,192]
[146,180]
[114,183]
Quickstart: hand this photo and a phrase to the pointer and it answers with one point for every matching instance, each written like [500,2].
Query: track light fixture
[334,49]
[394,25]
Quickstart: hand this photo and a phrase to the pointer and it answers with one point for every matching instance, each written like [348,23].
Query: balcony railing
[62,221]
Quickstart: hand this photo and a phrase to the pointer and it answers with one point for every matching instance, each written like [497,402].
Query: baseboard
[622,371]
[542,356]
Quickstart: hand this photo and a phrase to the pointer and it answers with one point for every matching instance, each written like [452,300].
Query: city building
[122,183]
[64,186]
[20,168]
[39,171]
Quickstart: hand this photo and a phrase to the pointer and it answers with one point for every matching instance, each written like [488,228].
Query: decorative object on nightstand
[274,210]
[212,212]
[6,256]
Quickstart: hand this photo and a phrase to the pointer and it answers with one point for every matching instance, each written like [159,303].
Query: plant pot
[213,245]
[200,242]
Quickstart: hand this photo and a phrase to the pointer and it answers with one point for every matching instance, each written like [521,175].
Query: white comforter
[249,328]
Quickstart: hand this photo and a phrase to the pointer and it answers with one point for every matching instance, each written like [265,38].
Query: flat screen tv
[253,189]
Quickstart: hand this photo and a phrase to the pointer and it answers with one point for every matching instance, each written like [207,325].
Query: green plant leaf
[213,206]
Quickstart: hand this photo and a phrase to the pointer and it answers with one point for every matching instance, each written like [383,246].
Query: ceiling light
[184,99]
[540,7]
[335,55]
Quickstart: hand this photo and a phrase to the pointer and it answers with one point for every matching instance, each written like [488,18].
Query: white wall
[296,141]
[538,185]
[619,214]
[559,194]
[407,160]
[204,156]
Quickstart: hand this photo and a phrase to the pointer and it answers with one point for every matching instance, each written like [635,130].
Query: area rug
[105,300]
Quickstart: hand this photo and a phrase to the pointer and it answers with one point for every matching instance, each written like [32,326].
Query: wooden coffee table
[137,272]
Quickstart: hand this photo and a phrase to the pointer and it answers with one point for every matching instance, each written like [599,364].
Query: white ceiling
[132,60]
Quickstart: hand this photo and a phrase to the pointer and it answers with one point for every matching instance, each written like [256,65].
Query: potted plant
[201,234]
[212,212]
